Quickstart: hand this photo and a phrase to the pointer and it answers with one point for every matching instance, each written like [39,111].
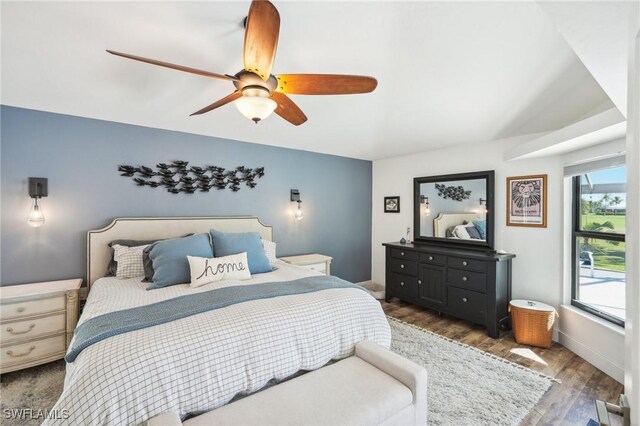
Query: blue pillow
[481,226]
[227,243]
[169,258]
[473,232]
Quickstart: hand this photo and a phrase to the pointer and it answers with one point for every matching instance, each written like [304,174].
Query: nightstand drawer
[29,328]
[318,267]
[33,307]
[24,353]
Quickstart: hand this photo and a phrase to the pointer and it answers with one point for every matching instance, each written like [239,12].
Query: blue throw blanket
[118,322]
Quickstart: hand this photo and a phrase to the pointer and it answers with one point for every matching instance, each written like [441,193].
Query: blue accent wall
[80,158]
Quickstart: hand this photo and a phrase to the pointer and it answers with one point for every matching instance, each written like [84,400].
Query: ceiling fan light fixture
[255,108]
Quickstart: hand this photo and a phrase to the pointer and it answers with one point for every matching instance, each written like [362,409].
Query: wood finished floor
[571,402]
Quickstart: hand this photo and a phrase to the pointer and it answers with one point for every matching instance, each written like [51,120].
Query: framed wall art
[392,204]
[527,201]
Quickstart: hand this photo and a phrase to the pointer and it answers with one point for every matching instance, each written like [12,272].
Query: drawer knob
[401,253]
[10,330]
[430,257]
[464,263]
[464,278]
[20,309]
[465,300]
[10,353]
[419,281]
[401,266]
[402,283]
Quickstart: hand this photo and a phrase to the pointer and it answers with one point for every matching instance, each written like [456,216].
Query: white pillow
[206,271]
[129,261]
[270,250]
[460,232]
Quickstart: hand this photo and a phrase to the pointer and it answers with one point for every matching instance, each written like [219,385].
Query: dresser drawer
[404,254]
[28,328]
[437,259]
[33,307]
[403,286]
[467,304]
[404,267]
[467,279]
[23,353]
[468,264]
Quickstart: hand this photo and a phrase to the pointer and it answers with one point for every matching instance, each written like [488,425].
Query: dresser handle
[464,278]
[430,257]
[10,330]
[465,300]
[401,266]
[10,353]
[419,281]
[20,309]
[402,283]
[464,263]
[401,253]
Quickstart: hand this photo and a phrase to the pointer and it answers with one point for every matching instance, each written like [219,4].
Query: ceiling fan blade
[173,66]
[261,38]
[288,110]
[229,98]
[325,84]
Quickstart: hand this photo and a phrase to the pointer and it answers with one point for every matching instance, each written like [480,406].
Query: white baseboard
[593,357]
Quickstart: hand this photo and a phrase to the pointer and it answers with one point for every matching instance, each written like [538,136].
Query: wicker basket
[532,322]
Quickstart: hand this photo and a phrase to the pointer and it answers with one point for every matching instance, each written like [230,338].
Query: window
[599,214]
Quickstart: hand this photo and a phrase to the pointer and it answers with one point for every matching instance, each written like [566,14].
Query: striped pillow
[129,261]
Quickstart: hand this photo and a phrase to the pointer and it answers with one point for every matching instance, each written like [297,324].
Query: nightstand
[36,322]
[314,262]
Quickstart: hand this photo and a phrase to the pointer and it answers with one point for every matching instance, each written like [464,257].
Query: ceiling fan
[258,92]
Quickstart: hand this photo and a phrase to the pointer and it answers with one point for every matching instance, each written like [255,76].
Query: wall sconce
[295,196]
[483,205]
[425,200]
[38,188]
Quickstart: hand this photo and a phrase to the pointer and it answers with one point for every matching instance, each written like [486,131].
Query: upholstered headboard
[150,228]
[445,221]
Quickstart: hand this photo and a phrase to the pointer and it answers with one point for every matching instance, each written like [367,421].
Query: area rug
[467,386]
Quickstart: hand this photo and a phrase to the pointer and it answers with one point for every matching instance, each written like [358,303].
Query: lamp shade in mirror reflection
[38,188]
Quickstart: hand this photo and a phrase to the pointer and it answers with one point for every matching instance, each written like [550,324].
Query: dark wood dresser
[470,284]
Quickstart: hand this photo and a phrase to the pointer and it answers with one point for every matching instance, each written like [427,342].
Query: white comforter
[199,363]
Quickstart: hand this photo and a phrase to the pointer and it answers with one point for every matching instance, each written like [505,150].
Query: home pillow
[169,258]
[129,261]
[270,250]
[473,232]
[227,243]
[112,268]
[481,226]
[460,231]
[206,271]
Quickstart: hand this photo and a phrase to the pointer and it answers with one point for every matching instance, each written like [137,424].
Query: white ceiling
[448,72]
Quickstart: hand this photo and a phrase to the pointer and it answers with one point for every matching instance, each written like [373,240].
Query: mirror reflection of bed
[465,226]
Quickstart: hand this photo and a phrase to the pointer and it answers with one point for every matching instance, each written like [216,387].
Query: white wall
[540,268]
[537,269]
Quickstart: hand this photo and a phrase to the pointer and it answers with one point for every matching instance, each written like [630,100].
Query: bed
[447,221]
[200,362]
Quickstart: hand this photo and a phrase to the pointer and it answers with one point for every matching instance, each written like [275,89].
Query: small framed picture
[527,201]
[392,204]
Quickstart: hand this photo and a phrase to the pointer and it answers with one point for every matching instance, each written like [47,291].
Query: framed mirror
[455,209]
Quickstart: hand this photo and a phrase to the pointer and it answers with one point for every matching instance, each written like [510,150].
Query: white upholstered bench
[375,386]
